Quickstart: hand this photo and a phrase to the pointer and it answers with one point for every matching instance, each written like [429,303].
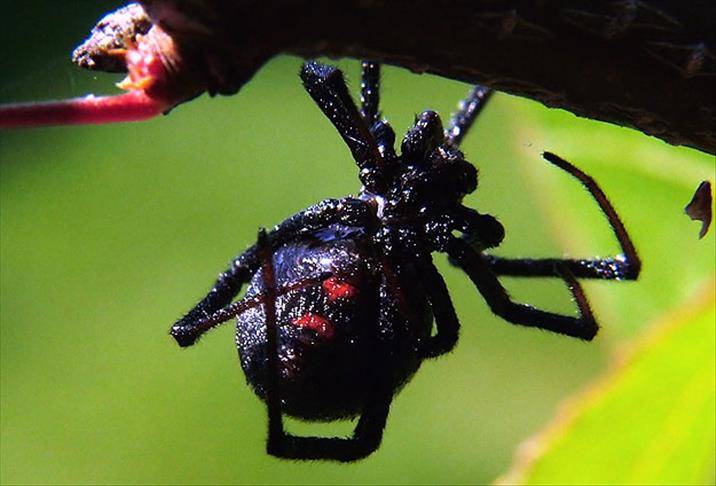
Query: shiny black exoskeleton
[342,296]
[327,351]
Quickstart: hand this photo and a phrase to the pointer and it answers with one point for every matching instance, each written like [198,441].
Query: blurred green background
[111,233]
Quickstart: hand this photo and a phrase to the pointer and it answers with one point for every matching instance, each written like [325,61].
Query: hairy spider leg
[478,270]
[626,266]
[273,396]
[328,89]
[370,111]
[201,325]
[462,120]
[446,321]
[206,314]
[370,92]
[368,432]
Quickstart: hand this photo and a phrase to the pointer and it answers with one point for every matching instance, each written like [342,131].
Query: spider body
[326,354]
[344,301]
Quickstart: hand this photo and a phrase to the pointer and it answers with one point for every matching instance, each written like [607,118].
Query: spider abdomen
[327,347]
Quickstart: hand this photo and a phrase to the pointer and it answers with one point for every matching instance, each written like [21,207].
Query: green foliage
[649,421]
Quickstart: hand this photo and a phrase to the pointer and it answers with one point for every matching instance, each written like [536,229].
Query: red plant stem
[132,106]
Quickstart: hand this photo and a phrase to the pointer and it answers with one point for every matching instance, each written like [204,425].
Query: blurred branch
[643,64]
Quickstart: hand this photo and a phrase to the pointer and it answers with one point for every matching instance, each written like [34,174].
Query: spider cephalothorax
[341,297]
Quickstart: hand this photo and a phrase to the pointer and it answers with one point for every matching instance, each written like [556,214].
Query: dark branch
[644,64]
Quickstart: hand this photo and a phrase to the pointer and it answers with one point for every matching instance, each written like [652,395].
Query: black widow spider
[338,313]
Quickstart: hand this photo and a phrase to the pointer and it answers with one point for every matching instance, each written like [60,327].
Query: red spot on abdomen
[322,326]
[338,289]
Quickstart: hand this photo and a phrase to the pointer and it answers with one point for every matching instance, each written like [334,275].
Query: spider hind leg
[368,432]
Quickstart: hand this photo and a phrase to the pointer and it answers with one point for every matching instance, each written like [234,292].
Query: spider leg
[370,111]
[463,119]
[208,312]
[446,320]
[328,89]
[370,92]
[622,267]
[478,269]
[189,328]
[365,439]
[369,430]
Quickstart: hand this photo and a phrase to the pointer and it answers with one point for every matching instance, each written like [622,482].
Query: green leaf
[649,421]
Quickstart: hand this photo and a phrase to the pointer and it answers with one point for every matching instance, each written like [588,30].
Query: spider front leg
[478,269]
[328,89]
[212,310]
[462,120]
[370,92]
[370,111]
[369,430]
[626,266]
[190,327]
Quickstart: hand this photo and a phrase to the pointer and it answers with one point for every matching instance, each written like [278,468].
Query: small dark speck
[699,208]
